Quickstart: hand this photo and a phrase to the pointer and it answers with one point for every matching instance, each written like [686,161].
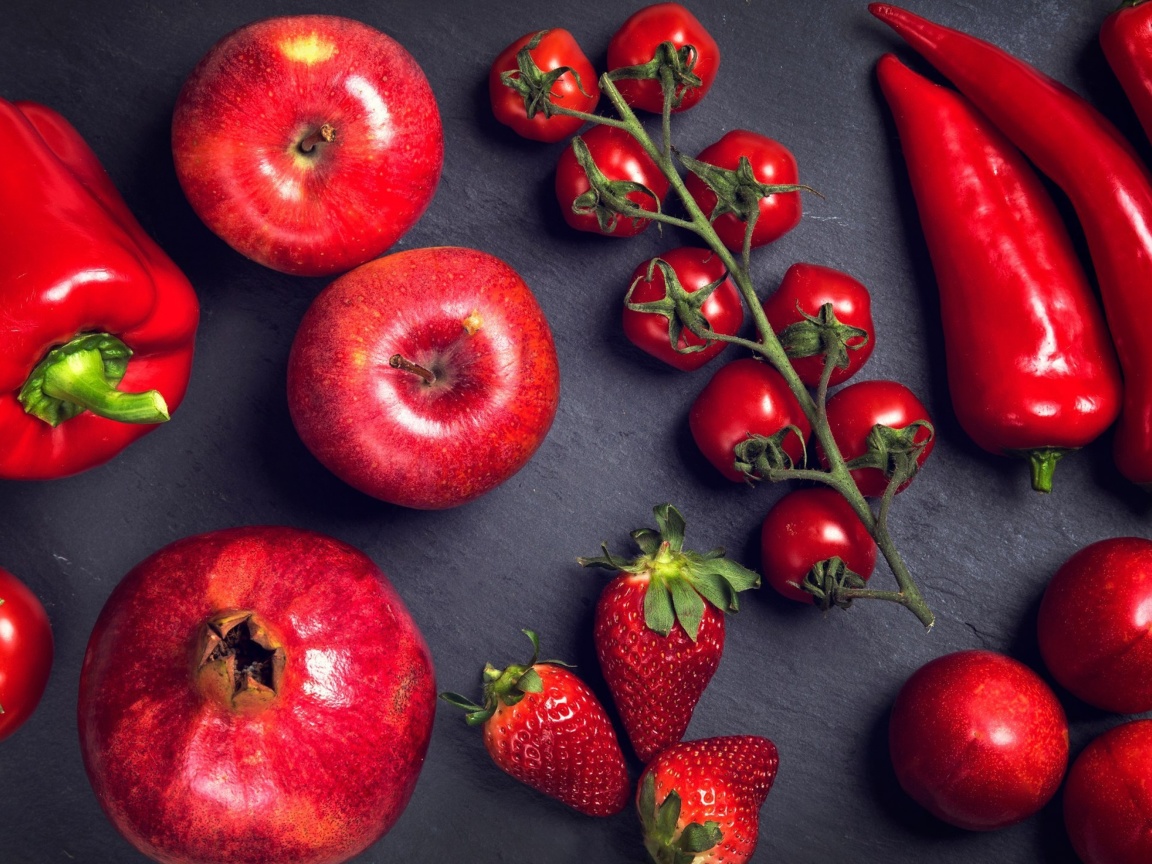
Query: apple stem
[326,134]
[397,361]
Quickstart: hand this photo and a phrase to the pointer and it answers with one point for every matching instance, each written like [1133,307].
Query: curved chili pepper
[1126,37]
[97,320]
[1089,159]
[1031,369]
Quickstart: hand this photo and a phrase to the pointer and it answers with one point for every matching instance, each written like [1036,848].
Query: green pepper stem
[1042,463]
[79,378]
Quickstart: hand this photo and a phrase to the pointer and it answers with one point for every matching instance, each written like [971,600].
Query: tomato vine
[837,472]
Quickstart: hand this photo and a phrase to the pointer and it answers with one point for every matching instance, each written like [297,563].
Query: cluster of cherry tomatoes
[745,397]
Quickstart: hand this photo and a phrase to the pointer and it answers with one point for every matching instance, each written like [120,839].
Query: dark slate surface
[980,542]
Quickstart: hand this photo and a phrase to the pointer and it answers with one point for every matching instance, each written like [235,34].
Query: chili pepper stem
[79,378]
[837,475]
[1043,465]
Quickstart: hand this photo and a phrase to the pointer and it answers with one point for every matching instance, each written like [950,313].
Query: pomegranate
[255,695]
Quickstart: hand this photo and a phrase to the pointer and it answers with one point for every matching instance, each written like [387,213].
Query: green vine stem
[837,474]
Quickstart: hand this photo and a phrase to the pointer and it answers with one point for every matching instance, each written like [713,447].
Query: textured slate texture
[980,542]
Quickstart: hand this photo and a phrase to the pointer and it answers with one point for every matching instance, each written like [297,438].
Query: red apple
[425,378]
[255,695]
[308,143]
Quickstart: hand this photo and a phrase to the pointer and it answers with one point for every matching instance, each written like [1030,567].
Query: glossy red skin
[724,780]
[808,526]
[809,287]
[978,739]
[557,48]
[619,157]
[656,681]
[317,776]
[26,648]
[562,744]
[1126,37]
[65,222]
[1111,191]
[384,430]
[1108,797]
[1030,362]
[635,43]
[251,100]
[772,163]
[695,268]
[745,397]
[1094,621]
[853,411]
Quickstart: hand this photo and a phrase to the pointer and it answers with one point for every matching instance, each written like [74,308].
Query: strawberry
[699,801]
[546,728]
[659,629]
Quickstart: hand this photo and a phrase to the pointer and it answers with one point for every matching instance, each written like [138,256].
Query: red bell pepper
[1126,37]
[1031,369]
[1097,168]
[98,324]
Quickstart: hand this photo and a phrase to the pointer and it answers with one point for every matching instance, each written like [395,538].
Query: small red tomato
[723,309]
[576,89]
[1093,625]
[978,739]
[1108,797]
[745,397]
[635,44]
[25,652]
[772,164]
[805,289]
[855,410]
[620,158]
[808,526]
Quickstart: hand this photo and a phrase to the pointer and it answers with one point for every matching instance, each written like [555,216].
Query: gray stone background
[979,541]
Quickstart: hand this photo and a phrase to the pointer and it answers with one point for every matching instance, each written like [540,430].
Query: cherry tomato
[1108,797]
[978,739]
[723,310]
[772,163]
[25,652]
[745,397]
[635,44]
[809,287]
[1093,625]
[620,158]
[853,411]
[808,526]
[557,49]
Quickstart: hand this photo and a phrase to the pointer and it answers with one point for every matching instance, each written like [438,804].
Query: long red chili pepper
[1126,37]
[1031,369]
[1089,159]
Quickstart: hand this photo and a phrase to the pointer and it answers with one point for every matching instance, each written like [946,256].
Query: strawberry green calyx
[503,686]
[680,582]
[664,843]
